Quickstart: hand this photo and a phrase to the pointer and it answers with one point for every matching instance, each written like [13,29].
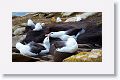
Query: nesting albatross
[34,49]
[70,46]
[33,26]
[64,49]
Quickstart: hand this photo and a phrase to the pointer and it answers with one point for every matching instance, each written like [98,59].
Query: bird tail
[80,32]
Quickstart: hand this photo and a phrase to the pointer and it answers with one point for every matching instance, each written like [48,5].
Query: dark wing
[59,44]
[29,28]
[36,48]
[73,31]
[91,36]
[52,40]
[59,28]
[36,36]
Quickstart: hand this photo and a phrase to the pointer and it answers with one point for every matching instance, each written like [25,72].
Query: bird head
[30,23]
[57,34]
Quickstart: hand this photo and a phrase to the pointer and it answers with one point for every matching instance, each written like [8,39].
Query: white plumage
[58,19]
[26,49]
[38,27]
[70,46]
[63,36]
[60,34]
[78,18]
[46,44]
[30,23]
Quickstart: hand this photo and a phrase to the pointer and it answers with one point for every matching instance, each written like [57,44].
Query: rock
[13,17]
[16,39]
[16,57]
[42,61]
[23,37]
[93,56]
[66,14]
[45,58]
[15,27]
[35,15]
[86,15]
[14,49]
[19,31]
[50,15]
[83,50]
[81,16]
[50,57]
[23,24]
[72,19]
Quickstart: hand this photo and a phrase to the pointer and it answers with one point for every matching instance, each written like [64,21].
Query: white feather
[58,19]
[46,44]
[24,49]
[62,35]
[57,34]
[71,46]
[79,33]
[30,23]
[78,18]
[38,27]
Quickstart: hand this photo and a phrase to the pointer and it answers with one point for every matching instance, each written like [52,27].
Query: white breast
[64,37]
[58,19]
[71,46]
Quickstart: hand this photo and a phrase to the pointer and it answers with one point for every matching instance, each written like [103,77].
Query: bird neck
[46,41]
[46,45]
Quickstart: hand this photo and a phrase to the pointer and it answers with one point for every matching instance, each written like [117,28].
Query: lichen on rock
[94,56]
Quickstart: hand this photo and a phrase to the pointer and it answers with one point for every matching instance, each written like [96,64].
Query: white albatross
[64,35]
[70,46]
[38,27]
[34,49]
[34,26]
[31,23]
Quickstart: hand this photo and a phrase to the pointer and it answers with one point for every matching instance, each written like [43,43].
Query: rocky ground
[82,55]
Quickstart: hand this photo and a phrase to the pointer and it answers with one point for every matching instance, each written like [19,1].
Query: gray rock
[19,31]
[80,16]
[16,39]
[15,27]
[47,57]
[23,24]
[66,14]
[72,19]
